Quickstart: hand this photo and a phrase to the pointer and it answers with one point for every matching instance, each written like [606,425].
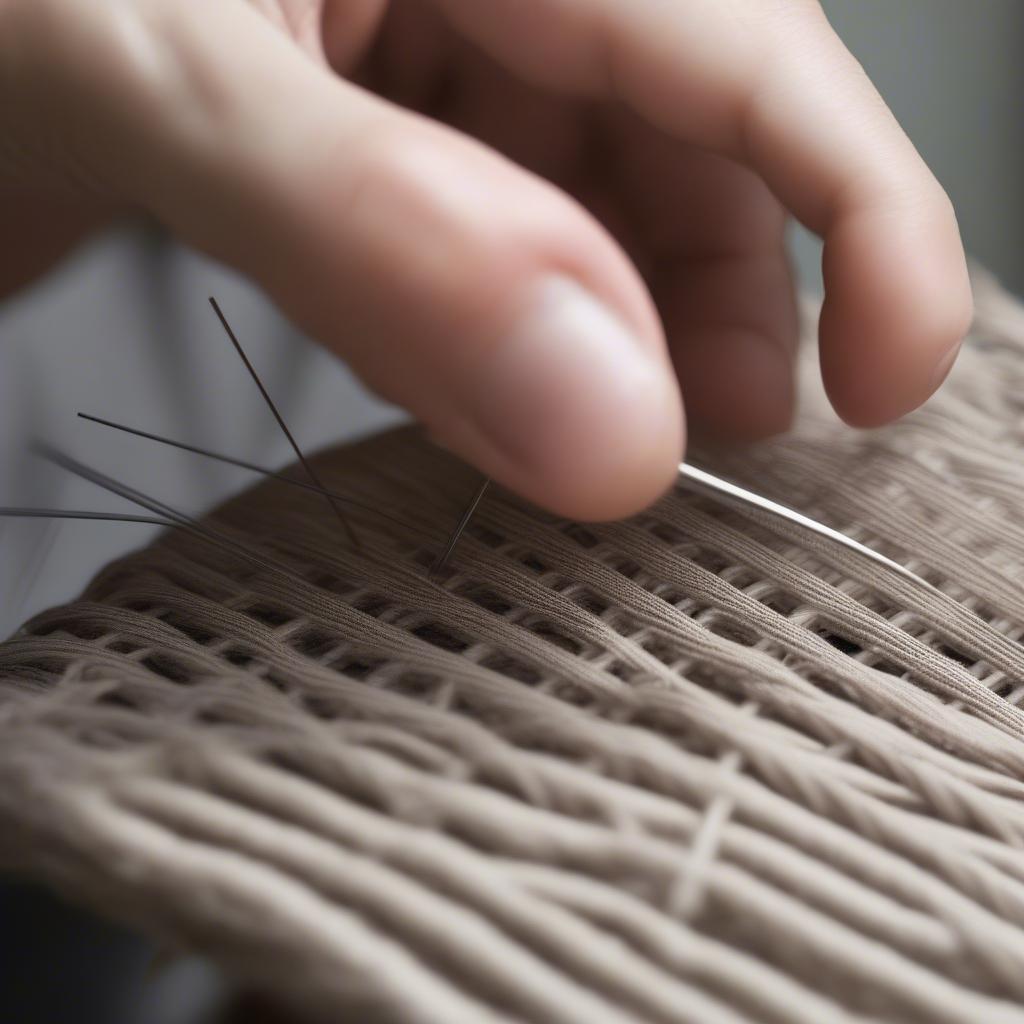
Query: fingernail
[566,364]
[944,365]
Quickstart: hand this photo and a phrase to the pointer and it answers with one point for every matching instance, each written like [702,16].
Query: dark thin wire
[251,466]
[61,513]
[160,508]
[284,426]
[460,527]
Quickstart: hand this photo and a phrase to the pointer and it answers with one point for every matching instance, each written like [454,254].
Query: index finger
[769,83]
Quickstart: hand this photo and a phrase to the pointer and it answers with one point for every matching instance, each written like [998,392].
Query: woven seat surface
[695,766]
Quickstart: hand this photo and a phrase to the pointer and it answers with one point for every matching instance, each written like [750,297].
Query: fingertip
[898,304]
[572,410]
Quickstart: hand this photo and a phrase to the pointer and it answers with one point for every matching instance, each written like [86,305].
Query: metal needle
[740,497]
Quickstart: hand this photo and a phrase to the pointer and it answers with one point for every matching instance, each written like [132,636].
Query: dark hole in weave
[890,668]
[320,707]
[666,532]
[278,682]
[627,567]
[781,602]
[268,616]
[116,699]
[139,606]
[533,563]
[354,668]
[86,630]
[73,627]
[373,605]
[546,631]
[581,535]
[485,535]
[122,646]
[665,651]
[506,665]
[591,602]
[840,643]
[439,636]
[189,629]
[486,598]
[728,628]
[712,561]
[619,669]
[162,664]
[954,655]
[670,595]
[313,644]
[420,685]
[569,693]
[827,684]
[424,558]
[1010,690]
[237,656]
[212,716]
[720,680]
[324,580]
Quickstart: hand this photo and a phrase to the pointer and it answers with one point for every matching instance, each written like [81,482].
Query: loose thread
[460,527]
[346,525]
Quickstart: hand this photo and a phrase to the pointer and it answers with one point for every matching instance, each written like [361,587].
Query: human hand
[540,294]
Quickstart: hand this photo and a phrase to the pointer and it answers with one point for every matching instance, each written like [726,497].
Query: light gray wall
[953,73]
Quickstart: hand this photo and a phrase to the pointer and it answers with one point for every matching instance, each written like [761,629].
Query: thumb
[480,298]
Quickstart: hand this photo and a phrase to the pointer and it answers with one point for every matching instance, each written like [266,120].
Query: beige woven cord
[691,767]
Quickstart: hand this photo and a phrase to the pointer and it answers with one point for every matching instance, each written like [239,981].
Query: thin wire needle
[346,525]
[242,464]
[739,496]
[62,513]
[460,527]
[172,516]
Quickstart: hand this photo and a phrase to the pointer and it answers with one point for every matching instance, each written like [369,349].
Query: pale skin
[550,229]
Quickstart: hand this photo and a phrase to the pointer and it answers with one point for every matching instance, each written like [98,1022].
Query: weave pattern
[689,767]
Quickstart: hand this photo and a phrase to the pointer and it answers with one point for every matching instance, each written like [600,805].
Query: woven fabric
[690,767]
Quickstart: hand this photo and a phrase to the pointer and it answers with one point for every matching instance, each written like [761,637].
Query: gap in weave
[881,662]
[355,666]
[267,614]
[417,685]
[313,643]
[623,564]
[581,535]
[840,643]
[488,537]
[319,706]
[119,697]
[483,595]
[373,604]
[507,665]
[552,634]
[68,625]
[622,671]
[122,645]
[237,655]
[979,668]
[197,634]
[440,636]
[532,562]
[727,627]
[165,665]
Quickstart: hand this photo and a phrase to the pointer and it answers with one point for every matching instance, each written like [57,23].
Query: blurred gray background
[124,331]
